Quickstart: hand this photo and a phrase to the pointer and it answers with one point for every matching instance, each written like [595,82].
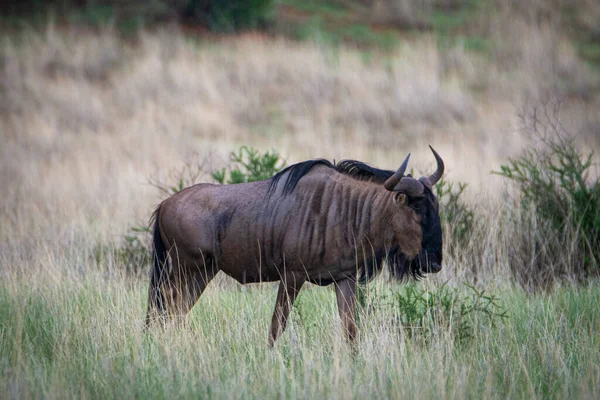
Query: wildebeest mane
[362,171]
[353,168]
[296,172]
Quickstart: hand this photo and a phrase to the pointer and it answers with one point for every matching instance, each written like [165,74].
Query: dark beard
[401,267]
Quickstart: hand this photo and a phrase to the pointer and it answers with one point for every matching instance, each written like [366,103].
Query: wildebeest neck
[336,221]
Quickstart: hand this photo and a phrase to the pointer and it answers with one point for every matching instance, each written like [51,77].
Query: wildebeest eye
[400,199]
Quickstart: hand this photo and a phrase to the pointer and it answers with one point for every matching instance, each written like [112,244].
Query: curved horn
[393,180]
[435,177]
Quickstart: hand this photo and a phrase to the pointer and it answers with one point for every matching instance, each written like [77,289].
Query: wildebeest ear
[400,198]
[425,181]
[410,186]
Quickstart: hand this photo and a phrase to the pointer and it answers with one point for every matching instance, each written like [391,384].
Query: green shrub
[249,165]
[423,313]
[456,216]
[231,15]
[134,254]
[557,199]
[131,255]
[129,15]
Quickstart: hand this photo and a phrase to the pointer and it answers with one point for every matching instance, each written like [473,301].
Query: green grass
[334,23]
[329,8]
[318,29]
[92,15]
[85,339]
[589,50]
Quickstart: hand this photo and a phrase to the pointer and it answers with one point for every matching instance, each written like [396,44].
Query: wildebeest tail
[156,299]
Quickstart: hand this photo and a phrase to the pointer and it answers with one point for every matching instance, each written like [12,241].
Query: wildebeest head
[417,195]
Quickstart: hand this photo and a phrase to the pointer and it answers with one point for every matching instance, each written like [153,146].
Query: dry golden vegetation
[88,119]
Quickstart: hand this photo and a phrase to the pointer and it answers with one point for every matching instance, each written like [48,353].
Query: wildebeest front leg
[288,290]
[345,292]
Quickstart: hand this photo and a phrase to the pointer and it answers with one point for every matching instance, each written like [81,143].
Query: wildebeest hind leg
[345,292]
[186,287]
[288,290]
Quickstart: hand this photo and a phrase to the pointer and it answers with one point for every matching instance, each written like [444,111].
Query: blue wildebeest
[312,222]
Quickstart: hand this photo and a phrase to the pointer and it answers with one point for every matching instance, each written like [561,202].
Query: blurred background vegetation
[382,23]
[108,107]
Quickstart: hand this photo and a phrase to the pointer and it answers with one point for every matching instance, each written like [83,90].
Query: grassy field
[83,338]
[90,121]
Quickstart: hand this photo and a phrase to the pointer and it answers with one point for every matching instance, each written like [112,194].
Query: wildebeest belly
[251,269]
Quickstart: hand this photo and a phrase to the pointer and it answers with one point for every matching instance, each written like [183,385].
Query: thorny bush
[423,313]
[559,213]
